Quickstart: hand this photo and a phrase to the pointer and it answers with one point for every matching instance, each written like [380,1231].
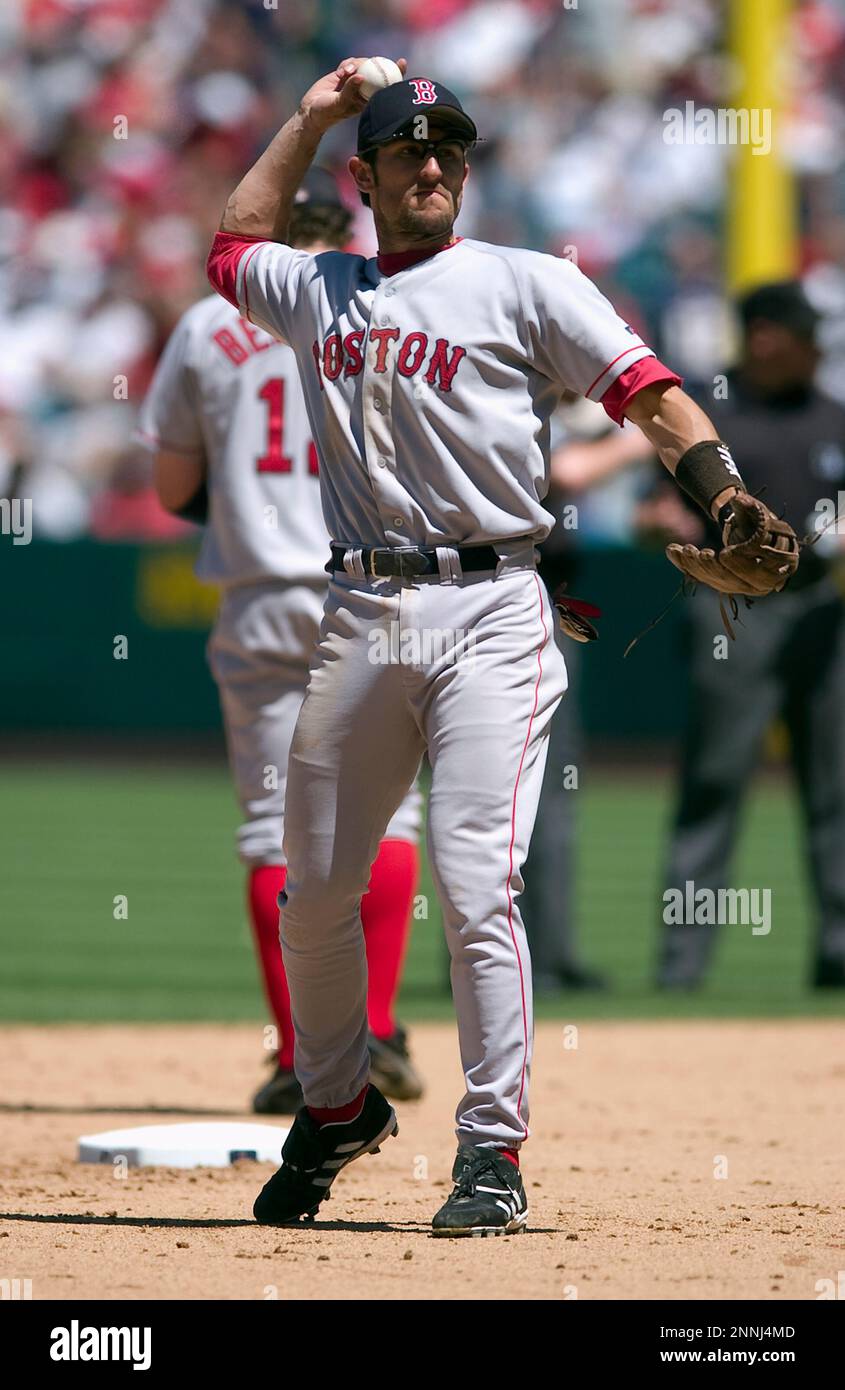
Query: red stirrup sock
[338,1114]
[265,883]
[386,917]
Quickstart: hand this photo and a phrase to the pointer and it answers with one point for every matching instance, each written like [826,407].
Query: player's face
[416,190]
[778,358]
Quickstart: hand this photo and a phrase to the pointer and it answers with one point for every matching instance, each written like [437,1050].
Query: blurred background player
[788,441]
[225,417]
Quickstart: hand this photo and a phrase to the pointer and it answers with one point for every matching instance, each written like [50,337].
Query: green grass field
[77,836]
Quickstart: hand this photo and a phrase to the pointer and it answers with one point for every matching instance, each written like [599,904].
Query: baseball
[378,73]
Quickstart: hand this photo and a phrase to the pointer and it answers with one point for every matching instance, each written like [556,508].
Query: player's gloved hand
[759,554]
[337,95]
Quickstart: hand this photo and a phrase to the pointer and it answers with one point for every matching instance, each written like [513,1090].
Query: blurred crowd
[124,125]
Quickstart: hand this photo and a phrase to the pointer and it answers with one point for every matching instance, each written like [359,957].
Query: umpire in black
[788,659]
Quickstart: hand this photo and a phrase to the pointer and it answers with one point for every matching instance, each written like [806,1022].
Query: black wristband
[196,507]
[706,470]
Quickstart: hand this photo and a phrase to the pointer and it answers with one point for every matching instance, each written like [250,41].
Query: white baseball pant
[470,671]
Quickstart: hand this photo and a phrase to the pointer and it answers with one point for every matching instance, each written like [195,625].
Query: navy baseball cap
[393,109]
[318,189]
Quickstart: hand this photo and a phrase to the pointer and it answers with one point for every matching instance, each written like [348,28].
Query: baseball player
[430,374]
[226,418]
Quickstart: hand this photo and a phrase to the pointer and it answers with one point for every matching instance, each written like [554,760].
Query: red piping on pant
[510,855]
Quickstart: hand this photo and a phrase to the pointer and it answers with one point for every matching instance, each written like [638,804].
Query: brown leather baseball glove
[759,554]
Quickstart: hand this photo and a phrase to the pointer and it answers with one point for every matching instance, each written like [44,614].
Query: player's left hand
[759,554]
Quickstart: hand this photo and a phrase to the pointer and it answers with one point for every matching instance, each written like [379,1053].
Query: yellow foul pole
[762,235]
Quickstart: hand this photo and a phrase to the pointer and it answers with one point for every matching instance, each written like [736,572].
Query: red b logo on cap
[426,95]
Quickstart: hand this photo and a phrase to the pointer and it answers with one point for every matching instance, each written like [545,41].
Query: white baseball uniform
[429,384]
[227,390]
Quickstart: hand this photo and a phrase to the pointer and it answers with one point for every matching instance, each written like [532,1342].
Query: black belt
[409,561]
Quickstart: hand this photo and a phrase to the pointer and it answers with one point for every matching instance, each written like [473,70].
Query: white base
[184,1146]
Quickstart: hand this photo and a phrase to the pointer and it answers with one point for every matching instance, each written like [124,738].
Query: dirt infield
[630,1127]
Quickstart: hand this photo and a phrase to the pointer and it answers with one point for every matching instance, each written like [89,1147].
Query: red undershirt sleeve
[646,372]
[224,258]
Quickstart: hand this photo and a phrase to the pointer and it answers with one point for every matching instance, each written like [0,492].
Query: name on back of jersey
[242,341]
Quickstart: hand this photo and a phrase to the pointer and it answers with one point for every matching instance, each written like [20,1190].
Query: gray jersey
[430,389]
[225,389]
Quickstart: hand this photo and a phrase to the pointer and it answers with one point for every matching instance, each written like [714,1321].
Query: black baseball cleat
[488,1198]
[313,1155]
[281,1095]
[391,1068]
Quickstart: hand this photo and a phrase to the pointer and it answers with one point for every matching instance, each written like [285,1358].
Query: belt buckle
[411,561]
[407,559]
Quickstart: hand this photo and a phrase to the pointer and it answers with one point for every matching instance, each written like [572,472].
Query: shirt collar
[391,262]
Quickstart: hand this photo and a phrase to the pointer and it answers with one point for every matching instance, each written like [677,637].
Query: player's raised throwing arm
[261,204]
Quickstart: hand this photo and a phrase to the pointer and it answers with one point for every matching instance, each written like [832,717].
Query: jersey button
[398,522]
[382,463]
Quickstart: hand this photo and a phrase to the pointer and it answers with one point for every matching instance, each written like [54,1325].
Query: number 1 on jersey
[275,460]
